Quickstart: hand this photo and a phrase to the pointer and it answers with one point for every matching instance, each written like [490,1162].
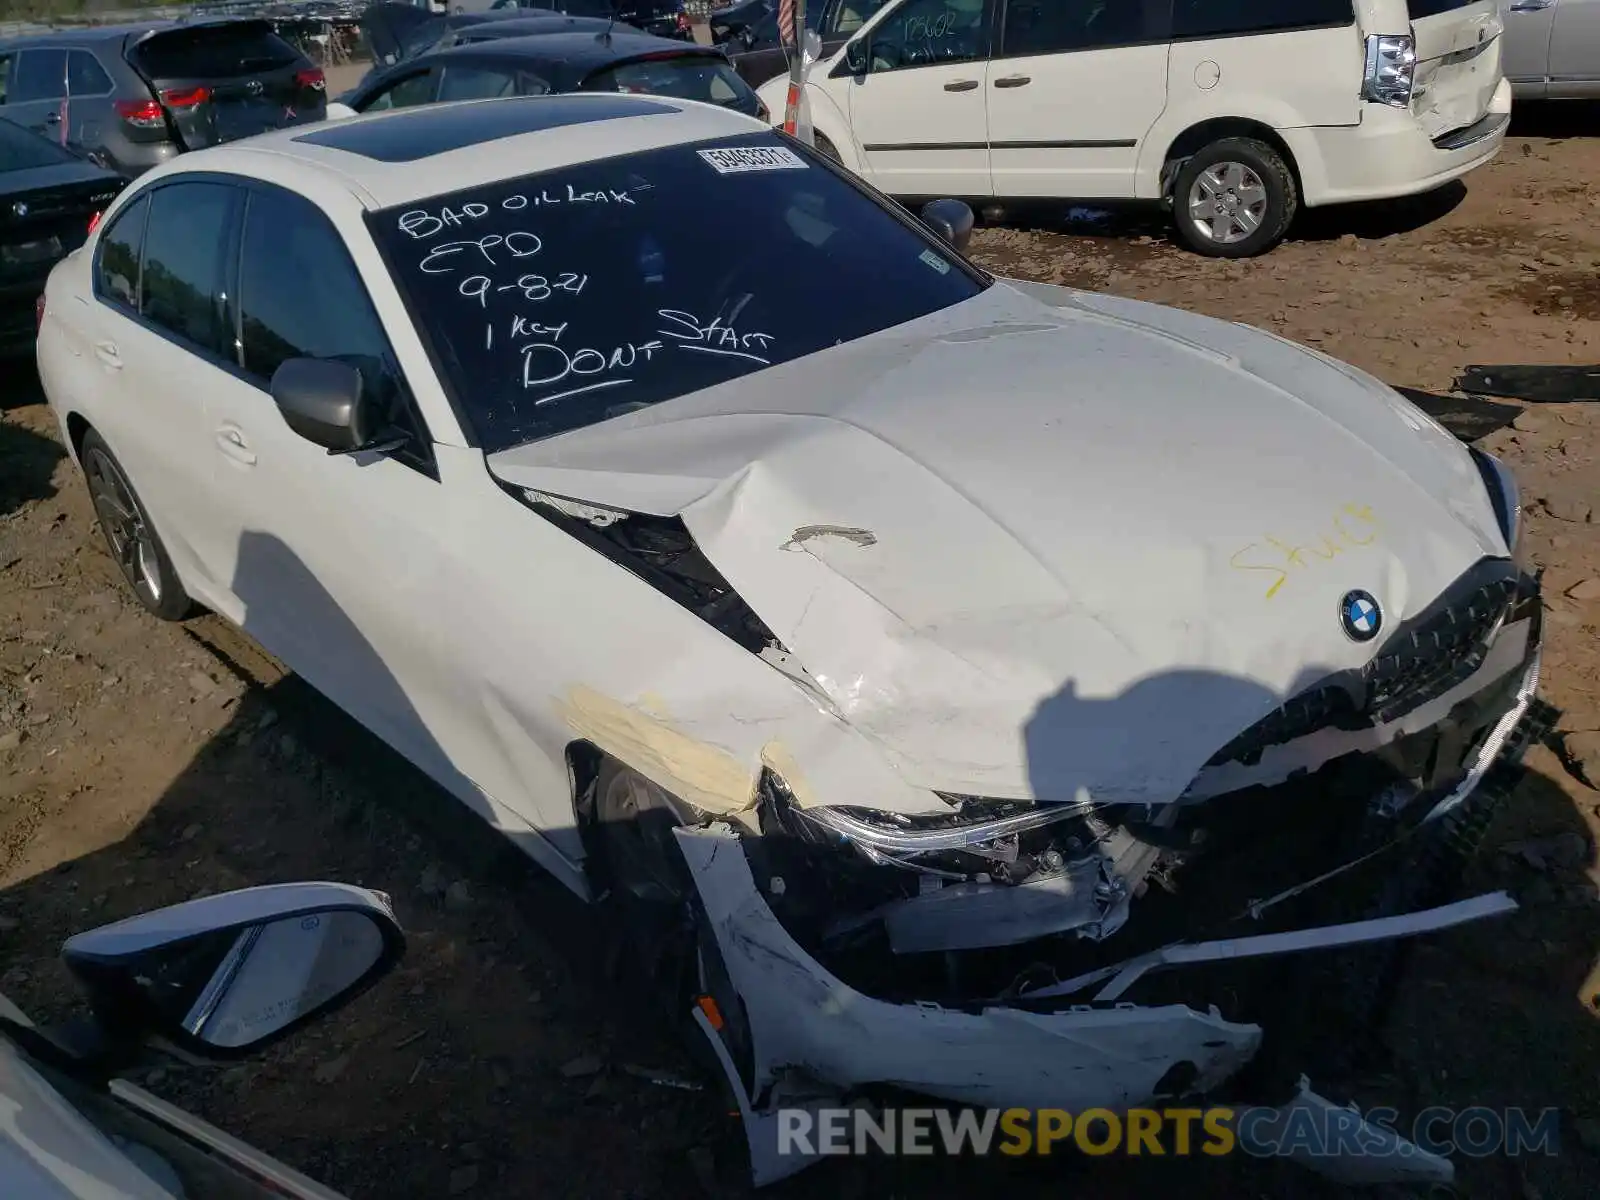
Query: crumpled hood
[1045,542]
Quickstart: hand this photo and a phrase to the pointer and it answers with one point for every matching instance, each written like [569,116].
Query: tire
[130,536]
[663,938]
[825,148]
[1215,206]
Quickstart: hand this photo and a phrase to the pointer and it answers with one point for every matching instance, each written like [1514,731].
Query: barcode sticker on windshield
[736,159]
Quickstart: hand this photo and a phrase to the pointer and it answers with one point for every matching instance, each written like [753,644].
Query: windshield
[709,79]
[21,150]
[560,299]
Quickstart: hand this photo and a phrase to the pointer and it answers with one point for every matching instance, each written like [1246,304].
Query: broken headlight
[976,839]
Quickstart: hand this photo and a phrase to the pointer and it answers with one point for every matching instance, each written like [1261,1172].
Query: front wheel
[669,951]
[1234,199]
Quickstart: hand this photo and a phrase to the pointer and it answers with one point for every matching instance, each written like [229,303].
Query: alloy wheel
[1227,203]
[127,533]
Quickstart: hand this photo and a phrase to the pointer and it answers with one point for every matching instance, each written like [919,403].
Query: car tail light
[142,114]
[38,313]
[185,97]
[94,220]
[313,79]
[1391,67]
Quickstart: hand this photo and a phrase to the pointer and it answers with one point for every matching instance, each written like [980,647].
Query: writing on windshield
[555,301]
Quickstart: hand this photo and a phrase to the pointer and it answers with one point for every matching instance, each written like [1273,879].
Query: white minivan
[1233,112]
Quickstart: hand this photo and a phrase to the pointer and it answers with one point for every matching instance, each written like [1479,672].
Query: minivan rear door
[219,82]
[1458,62]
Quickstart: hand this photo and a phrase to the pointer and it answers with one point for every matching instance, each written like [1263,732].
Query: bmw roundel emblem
[1360,615]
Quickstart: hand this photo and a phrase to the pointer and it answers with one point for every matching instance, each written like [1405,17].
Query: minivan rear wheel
[1234,198]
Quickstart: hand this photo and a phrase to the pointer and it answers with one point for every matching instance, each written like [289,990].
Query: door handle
[52,118]
[961,85]
[1013,81]
[1532,5]
[106,352]
[230,440]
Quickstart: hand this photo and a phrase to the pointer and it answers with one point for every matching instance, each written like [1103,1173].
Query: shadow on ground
[1110,224]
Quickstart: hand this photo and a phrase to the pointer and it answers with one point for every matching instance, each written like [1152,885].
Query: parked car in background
[217,978]
[1552,48]
[621,61]
[1235,113]
[50,198]
[397,31]
[134,96]
[758,55]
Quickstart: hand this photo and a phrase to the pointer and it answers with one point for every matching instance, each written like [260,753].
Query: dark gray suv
[131,97]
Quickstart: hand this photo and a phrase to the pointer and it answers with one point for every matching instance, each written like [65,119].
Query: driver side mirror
[322,401]
[222,976]
[950,219]
[855,60]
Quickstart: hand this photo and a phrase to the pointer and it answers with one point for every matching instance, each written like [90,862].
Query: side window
[117,277]
[1227,18]
[186,244]
[1059,26]
[7,67]
[85,75]
[474,83]
[930,32]
[288,241]
[38,75]
[846,16]
[410,91]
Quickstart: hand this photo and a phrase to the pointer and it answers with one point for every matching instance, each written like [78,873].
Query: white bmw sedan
[942,675]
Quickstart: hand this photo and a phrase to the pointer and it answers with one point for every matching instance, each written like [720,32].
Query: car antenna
[604,36]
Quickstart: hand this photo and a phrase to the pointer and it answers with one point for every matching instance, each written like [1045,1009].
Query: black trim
[1479,131]
[1119,144]
[1111,144]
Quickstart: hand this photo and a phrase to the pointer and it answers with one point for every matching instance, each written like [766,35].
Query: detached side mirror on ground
[950,219]
[224,976]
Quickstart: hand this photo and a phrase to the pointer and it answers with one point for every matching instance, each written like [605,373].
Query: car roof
[582,50]
[409,154]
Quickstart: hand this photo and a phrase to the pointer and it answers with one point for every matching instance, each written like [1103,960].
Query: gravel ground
[143,763]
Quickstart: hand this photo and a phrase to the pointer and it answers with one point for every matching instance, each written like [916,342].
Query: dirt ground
[143,763]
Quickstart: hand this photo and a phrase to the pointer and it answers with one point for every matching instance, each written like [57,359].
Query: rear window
[21,150]
[683,77]
[1231,18]
[213,52]
[560,299]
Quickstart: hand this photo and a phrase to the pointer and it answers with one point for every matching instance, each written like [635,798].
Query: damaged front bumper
[807,1038]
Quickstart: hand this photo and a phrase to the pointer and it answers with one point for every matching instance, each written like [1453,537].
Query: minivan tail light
[313,79]
[185,97]
[1391,68]
[141,114]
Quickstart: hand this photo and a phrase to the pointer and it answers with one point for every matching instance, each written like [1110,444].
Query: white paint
[1066,131]
[999,1057]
